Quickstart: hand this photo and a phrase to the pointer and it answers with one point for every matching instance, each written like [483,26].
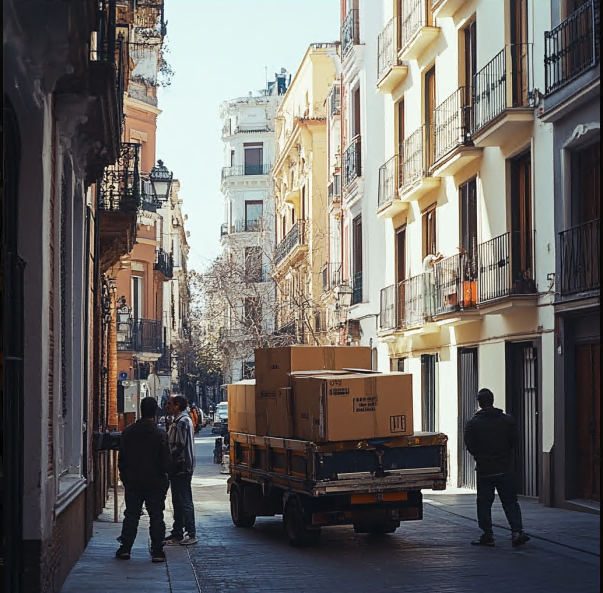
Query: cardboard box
[273,365]
[274,413]
[352,407]
[241,407]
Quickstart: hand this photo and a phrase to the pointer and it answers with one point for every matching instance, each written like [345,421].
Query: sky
[219,50]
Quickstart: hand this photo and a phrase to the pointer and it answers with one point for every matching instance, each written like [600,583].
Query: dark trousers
[154,500]
[182,501]
[504,484]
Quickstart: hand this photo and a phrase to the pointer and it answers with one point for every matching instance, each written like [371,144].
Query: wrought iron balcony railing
[334,192]
[335,100]
[580,258]
[294,238]
[389,181]
[572,47]
[416,301]
[119,190]
[164,263]
[357,295]
[331,276]
[257,274]
[140,335]
[453,122]
[163,363]
[241,170]
[416,156]
[254,225]
[350,31]
[505,267]
[352,165]
[455,284]
[387,315]
[387,47]
[413,19]
[503,83]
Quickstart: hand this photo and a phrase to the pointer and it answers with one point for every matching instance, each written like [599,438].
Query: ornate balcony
[389,203]
[453,147]
[352,161]
[416,304]
[292,244]
[140,335]
[350,32]
[164,264]
[503,104]
[416,30]
[387,312]
[580,259]
[254,225]
[335,101]
[331,276]
[416,158]
[391,72]
[334,191]
[243,170]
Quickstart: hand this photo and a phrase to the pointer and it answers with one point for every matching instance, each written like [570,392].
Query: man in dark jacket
[491,437]
[144,463]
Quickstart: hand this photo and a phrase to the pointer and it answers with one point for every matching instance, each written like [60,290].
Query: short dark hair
[148,407]
[180,401]
[485,397]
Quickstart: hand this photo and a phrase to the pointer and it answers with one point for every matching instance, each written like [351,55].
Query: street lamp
[161,180]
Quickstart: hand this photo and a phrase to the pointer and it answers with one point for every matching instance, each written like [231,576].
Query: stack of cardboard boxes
[321,394]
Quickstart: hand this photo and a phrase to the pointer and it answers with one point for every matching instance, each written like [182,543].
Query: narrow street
[432,555]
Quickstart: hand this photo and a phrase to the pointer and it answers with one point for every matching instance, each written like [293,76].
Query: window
[253,215]
[430,105]
[401,131]
[356,112]
[357,281]
[429,231]
[253,313]
[468,217]
[586,184]
[254,158]
[396,365]
[521,217]
[253,264]
[429,385]
[401,254]
[137,297]
[232,158]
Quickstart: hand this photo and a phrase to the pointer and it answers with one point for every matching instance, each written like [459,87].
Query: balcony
[257,275]
[416,304]
[390,70]
[293,244]
[334,191]
[389,203]
[244,170]
[387,311]
[254,225]
[357,295]
[416,158]
[350,32]
[335,101]
[331,276]
[445,8]
[453,147]
[505,270]
[503,109]
[352,161]
[163,365]
[580,258]
[118,202]
[416,32]
[164,264]
[140,335]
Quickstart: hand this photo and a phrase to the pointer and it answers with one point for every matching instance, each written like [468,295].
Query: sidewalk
[572,529]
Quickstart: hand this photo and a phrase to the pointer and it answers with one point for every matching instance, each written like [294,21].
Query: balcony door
[357,259]
[137,297]
[586,185]
[400,271]
[253,215]
[519,52]
[468,216]
[254,158]
[470,61]
[430,105]
[429,386]
[467,389]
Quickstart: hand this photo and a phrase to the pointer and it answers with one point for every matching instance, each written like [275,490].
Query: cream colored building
[300,187]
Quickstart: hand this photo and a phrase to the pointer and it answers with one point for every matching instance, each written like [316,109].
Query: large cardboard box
[352,407]
[241,407]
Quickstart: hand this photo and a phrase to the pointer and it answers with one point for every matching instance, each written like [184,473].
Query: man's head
[485,398]
[148,408]
[179,403]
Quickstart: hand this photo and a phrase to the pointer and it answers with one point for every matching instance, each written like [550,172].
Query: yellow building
[300,188]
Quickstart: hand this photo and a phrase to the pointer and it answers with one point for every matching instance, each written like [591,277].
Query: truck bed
[383,465]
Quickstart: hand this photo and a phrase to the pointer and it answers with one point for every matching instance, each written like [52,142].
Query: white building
[247,234]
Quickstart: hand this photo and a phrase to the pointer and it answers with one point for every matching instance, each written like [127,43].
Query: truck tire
[296,525]
[237,509]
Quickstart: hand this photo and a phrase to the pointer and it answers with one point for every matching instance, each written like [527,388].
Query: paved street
[432,555]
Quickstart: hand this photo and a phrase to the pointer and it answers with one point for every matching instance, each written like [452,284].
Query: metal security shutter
[468,388]
[429,388]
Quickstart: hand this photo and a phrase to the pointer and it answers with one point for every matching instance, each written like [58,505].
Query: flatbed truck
[370,484]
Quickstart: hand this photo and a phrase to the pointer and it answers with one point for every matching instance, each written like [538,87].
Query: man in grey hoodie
[491,437]
[182,446]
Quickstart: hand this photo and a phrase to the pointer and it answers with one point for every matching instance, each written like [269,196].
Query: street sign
[123,376]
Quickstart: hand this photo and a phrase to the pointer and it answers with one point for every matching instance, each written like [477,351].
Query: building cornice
[138,104]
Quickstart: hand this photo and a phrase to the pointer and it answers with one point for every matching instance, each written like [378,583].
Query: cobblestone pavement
[429,556]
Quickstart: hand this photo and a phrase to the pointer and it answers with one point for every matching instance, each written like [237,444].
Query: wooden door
[400,272]
[520,52]
[468,230]
[470,38]
[588,412]
[430,105]
[401,135]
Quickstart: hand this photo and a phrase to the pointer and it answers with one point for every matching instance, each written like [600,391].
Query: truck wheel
[237,509]
[296,525]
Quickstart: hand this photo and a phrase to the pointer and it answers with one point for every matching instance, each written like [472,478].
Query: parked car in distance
[203,418]
[220,417]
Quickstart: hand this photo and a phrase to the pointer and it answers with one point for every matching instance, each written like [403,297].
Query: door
[468,388]
[522,403]
[357,261]
[401,136]
[519,52]
[430,105]
[468,231]
[254,158]
[400,271]
[429,386]
[588,416]
[254,211]
[470,61]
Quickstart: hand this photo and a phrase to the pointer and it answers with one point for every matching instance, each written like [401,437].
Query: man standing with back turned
[144,463]
[491,437]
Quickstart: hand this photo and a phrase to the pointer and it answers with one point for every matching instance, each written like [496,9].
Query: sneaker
[484,540]
[158,556]
[188,540]
[172,540]
[123,553]
[519,539]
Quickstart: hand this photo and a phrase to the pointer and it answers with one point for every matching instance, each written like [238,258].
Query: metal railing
[352,165]
[119,190]
[141,335]
[294,238]
[335,100]
[387,311]
[331,276]
[571,47]
[503,83]
[240,170]
[413,20]
[505,267]
[580,258]
[254,225]
[453,122]
[389,181]
[357,288]
[334,190]
[387,48]
[455,284]
[416,301]
[350,31]
[415,157]
[164,263]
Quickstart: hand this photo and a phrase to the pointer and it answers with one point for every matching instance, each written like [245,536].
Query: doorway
[468,388]
[522,400]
